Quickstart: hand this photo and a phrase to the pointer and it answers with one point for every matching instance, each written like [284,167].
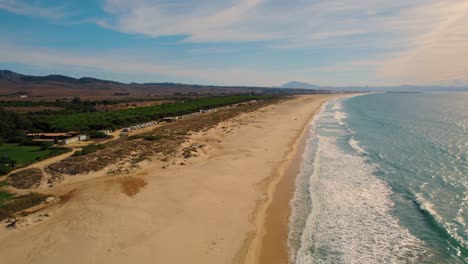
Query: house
[70,140]
[51,137]
[74,139]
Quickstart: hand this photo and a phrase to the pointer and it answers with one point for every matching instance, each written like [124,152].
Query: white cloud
[427,39]
[439,55]
[418,41]
[23,8]
[251,20]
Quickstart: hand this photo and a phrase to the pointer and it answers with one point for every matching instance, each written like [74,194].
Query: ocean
[384,179]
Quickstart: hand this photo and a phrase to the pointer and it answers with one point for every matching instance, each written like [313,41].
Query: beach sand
[211,209]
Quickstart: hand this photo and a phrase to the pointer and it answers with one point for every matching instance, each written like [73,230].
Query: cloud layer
[391,41]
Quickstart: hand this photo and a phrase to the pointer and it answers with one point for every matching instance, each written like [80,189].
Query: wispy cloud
[24,8]
[438,55]
[386,41]
[254,20]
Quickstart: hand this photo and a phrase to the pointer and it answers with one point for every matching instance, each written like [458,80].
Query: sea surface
[384,179]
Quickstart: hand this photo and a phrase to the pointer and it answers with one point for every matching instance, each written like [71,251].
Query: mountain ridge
[14,76]
[53,87]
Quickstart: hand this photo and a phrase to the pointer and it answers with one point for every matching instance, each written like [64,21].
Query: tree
[76,100]
[46,145]
[4,169]
[12,164]
[4,159]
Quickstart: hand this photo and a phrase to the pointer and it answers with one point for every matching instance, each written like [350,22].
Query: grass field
[23,154]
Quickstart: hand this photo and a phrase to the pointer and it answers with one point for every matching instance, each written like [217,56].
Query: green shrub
[133,137]
[46,145]
[152,138]
[97,134]
[4,169]
[89,149]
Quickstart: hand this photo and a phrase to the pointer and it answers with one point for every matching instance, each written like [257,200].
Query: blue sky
[243,42]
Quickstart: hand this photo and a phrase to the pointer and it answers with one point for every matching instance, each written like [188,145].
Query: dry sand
[214,209]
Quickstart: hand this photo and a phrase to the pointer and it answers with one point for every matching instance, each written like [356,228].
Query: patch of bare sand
[212,209]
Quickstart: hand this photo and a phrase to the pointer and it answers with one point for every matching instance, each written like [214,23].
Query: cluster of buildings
[58,138]
[73,136]
[136,127]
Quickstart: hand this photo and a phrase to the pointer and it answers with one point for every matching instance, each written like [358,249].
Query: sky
[243,42]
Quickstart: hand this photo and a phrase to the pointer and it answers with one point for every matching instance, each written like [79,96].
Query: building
[51,137]
[68,141]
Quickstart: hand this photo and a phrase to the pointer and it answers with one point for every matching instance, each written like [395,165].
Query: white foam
[341,212]
[350,220]
[340,116]
[355,145]
[427,206]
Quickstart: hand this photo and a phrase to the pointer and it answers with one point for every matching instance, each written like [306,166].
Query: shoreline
[269,243]
[276,223]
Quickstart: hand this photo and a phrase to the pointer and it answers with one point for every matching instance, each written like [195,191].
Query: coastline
[204,207]
[272,217]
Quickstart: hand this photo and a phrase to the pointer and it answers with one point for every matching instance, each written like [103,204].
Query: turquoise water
[384,179]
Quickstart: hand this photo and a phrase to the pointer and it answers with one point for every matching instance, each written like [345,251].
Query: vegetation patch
[5,196]
[26,179]
[152,137]
[172,136]
[20,203]
[22,154]
[89,149]
[15,155]
[4,169]
[115,119]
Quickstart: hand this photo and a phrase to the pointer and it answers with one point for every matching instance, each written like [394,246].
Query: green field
[23,154]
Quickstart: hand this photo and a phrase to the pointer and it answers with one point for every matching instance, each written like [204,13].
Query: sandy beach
[229,205]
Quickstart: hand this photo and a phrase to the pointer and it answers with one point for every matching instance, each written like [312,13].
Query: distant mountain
[401,88]
[299,85]
[16,77]
[53,87]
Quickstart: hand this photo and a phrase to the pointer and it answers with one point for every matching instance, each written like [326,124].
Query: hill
[51,87]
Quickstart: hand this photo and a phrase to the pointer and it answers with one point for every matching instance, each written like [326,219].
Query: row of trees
[83,118]
[127,117]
